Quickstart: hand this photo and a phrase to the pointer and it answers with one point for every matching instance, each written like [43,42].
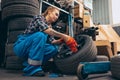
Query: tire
[102,58]
[20,23]
[115,67]
[9,50]
[86,53]
[1,46]
[19,10]
[13,35]
[5,3]
[13,63]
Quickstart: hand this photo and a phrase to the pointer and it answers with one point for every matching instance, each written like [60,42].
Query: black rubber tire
[19,10]
[9,50]
[20,23]
[12,36]
[115,67]
[5,3]
[1,46]
[13,63]
[101,58]
[3,37]
[87,53]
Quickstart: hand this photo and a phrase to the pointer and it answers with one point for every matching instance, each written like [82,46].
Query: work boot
[39,74]
[31,70]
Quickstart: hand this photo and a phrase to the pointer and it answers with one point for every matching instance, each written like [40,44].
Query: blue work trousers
[35,50]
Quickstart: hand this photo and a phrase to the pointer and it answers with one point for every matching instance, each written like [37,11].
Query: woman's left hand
[57,41]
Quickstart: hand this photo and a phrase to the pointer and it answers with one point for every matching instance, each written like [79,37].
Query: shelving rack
[69,14]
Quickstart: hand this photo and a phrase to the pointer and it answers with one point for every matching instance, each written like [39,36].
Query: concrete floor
[17,75]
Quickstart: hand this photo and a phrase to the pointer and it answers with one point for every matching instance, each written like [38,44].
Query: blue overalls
[35,50]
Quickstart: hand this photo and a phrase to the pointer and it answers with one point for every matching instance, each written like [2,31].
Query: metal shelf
[70,14]
[56,7]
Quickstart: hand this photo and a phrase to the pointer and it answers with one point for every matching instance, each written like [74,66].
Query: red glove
[72,44]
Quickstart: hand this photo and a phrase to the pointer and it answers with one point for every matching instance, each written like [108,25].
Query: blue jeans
[34,49]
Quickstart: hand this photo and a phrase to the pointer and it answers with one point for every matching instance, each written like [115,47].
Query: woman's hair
[51,9]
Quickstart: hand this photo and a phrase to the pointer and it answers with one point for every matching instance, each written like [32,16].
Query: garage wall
[102,12]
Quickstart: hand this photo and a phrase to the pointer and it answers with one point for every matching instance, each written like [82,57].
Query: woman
[37,44]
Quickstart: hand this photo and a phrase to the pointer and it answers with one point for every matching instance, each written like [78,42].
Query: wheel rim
[66,52]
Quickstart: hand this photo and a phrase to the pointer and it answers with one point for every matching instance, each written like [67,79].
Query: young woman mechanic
[37,45]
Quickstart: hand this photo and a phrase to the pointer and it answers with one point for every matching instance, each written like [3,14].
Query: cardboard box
[78,11]
[87,21]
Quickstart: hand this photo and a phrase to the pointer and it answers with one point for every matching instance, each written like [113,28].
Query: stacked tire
[1,46]
[16,16]
[115,67]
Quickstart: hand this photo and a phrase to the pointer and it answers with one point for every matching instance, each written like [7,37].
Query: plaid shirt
[38,24]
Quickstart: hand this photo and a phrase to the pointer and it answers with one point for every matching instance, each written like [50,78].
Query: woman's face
[53,16]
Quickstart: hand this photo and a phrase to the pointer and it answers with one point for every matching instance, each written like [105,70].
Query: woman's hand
[71,43]
[57,41]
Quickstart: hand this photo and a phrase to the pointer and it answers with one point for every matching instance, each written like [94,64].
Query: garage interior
[84,19]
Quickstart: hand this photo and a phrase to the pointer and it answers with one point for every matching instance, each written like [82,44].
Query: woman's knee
[17,50]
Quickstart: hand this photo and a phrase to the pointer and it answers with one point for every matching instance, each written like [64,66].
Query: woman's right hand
[71,43]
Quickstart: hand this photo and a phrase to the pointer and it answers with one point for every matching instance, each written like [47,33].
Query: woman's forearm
[52,32]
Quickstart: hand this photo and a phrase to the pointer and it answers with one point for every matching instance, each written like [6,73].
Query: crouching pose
[37,45]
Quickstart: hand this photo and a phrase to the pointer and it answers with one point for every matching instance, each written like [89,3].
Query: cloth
[34,49]
[37,24]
